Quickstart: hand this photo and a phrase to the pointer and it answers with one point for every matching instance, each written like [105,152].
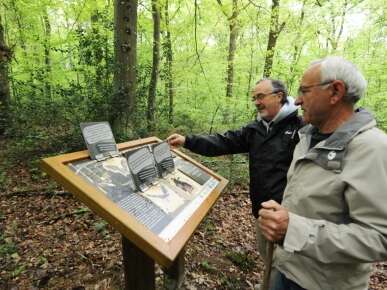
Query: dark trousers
[282,283]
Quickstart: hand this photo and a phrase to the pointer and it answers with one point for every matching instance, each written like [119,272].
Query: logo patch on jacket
[331,155]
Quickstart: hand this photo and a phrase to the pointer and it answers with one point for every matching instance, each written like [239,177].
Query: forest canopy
[191,65]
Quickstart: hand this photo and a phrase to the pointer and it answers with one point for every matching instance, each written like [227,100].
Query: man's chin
[305,119]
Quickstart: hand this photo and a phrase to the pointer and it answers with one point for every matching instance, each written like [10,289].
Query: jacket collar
[287,109]
[329,153]
[258,125]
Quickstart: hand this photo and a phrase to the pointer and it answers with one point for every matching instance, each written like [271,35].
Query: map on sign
[160,189]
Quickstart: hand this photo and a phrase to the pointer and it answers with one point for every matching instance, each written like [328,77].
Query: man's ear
[339,90]
[280,95]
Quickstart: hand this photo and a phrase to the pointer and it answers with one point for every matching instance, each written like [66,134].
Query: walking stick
[266,277]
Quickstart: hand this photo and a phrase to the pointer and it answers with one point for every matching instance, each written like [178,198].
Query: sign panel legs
[139,269]
[174,275]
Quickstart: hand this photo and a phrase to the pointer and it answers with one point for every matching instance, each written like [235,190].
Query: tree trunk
[155,66]
[47,58]
[101,61]
[124,81]
[169,58]
[5,56]
[233,24]
[334,39]
[298,45]
[20,28]
[275,30]
[250,77]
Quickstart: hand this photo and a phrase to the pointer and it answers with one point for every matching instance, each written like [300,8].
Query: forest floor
[49,240]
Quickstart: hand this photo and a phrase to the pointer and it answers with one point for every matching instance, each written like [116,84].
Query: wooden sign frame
[162,251]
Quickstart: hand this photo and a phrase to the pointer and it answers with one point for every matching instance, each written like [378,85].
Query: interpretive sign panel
[154,196]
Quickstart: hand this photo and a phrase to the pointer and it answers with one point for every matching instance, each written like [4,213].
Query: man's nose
[298,101]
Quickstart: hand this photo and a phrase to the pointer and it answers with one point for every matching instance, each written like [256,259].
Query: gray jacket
[337,199]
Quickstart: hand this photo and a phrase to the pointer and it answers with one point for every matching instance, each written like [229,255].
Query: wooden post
[174,275]
[139,269]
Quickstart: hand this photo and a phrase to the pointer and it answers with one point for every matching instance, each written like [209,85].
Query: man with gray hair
[332,223]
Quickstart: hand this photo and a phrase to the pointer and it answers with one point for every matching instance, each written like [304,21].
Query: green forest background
[195,63]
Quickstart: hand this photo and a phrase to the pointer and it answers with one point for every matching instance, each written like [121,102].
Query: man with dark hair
[278,86]
[332,224]
[269,141]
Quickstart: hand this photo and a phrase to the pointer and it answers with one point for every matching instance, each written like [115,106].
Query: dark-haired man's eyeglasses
[302,90]
[262,96]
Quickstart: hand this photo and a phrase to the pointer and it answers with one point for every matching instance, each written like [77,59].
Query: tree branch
[221,8]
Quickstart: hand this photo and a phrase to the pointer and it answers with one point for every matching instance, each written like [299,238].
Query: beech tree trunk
[169,59]
[233,25]
[20,27]
[47,58]
[155,66]
[124,80]
[5,56]
[275,30]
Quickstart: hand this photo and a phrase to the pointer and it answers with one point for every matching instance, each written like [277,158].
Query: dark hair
[278,86]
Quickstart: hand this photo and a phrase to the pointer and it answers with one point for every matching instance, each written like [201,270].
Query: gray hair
[278,86]
[337,68]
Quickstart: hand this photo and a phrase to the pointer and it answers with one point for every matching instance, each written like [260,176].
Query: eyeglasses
[262,96]
[302,90]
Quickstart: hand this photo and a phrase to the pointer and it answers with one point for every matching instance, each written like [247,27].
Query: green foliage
[62,76]
[42,261]
[241,259]
[80,211]
[7,247]
[231,282]
[18,270]
[209,226]
[101,227]
[233,167]
[208,267]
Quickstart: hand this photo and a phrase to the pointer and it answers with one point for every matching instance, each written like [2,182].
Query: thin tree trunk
[21,29]
[250,77]
[47,58]
[275,30]
[155,66]
[125,42]
[169,57]
[298,45]
[233,24]
[99,53]
[334,39]
[5,56]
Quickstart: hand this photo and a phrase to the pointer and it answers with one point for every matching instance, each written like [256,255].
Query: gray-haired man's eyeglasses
[302,90]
